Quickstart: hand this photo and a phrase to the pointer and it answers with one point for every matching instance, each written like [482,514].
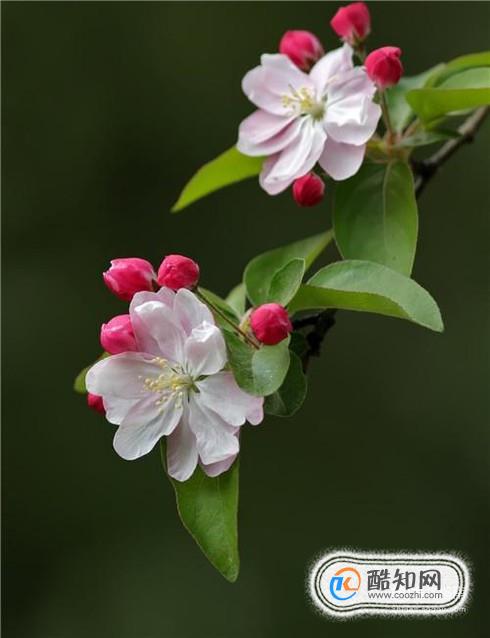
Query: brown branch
[427,169]
[322,322]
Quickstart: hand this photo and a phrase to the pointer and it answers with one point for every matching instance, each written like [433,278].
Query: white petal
[280,170]
[164,295]
[216,440]
[268,83]
[121,375]
[204,351]
[144,426]
[182,450]
[222,394]
[116,408]
[341,161]
[215,469]
[190,312]
[351,115]
[330,66]
[157,331]
[251,144]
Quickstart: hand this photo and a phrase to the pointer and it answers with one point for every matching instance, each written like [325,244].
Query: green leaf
[473,60]
[236,299]
[286,282]
[425,138]
[222,306]
[291,395]
[208,508]
[470,60]
[400,111]
[79,384]
[466,90]
[228,168]
[375,216]
[260,372]
[369,287]
[261,270]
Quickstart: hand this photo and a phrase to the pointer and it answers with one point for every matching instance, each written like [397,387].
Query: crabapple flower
[95,402]
[270,323]
[117,335]
[308,190]
[175,385]
[177,271]
[352,23]
[384,66]
[128,276]
[326,116]
[302,48]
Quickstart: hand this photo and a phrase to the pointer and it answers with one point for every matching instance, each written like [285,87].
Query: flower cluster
[314,107]
[167,370]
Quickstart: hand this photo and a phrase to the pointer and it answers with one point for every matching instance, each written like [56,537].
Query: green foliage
[236,299]
[466,90]
[261,271]
[208,508]
[222,306]
[369,287]
[286,282]
[257,371]
[291,395]
[403,108]
[400,111]
[228,168]
[375,216]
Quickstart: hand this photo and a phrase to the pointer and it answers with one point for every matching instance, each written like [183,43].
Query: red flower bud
[95,402]
[384,67]
[352,23]
[177,271]
[308,190]
[117,335]
[302,48]
[270,323]
[128,276]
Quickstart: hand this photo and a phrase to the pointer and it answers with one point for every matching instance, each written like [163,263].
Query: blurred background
[108,109]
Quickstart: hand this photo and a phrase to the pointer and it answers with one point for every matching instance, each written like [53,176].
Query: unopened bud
[302,48]
[129,275]
[177,271]
[117,335]
[270,323]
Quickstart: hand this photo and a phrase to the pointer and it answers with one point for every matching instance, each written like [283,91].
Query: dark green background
[108,108]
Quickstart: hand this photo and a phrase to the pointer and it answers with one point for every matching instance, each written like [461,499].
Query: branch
[427,169]
[322,322]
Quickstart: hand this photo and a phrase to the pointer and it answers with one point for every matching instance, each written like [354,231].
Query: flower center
[168,383]
[303,102]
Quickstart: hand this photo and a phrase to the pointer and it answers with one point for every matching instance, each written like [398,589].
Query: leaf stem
[386,117]
[219,312]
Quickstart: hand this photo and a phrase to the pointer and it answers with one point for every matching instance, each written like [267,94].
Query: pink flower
[384,66]
[117,335]
[177,271]
[326,116]
[302,48]
[128,276]
[175,385]
[95,402]
[308,190]
[270,323]
[352,23]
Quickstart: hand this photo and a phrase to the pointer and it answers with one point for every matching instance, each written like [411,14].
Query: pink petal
[332,64]
[341,161]
[182,450]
